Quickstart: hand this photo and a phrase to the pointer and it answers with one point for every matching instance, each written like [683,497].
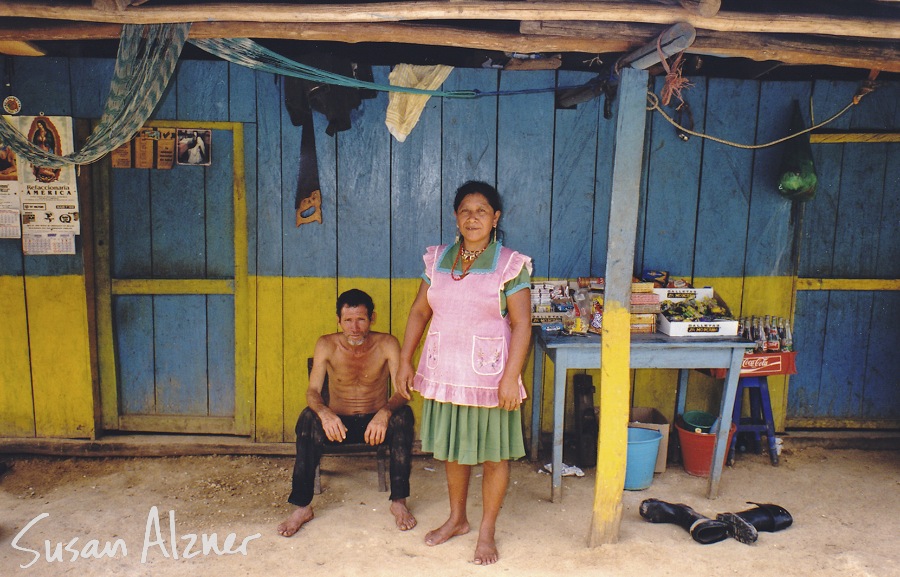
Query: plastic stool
[760,419]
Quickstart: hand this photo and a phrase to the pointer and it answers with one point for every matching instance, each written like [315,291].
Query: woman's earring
[495,234]
[457,236]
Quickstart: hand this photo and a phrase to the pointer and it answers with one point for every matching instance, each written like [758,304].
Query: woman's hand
[508,393]
[405,374]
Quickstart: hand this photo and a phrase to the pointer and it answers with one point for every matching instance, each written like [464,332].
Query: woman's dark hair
[354,298]
[478,187]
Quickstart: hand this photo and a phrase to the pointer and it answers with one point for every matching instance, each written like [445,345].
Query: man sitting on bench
[358,364]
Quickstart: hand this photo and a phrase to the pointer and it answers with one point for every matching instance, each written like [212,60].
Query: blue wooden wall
[709,213]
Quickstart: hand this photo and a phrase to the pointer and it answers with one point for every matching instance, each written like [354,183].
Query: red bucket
[697,450]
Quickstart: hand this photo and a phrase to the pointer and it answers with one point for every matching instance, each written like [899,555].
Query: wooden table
[654,351]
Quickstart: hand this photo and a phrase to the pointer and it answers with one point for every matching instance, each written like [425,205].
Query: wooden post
[616,332]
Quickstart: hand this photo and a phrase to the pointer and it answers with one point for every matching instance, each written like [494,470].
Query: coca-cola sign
[768,364]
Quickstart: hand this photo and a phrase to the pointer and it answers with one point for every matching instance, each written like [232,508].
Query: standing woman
[477,295]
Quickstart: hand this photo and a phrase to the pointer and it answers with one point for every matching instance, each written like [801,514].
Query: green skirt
[471,435]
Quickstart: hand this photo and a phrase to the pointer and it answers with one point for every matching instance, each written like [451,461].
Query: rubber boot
[702,529]
[764,517]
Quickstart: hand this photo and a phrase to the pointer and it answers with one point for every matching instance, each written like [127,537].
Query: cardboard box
[650,418]
[693,328]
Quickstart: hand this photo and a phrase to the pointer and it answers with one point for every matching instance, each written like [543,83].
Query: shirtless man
[358,364]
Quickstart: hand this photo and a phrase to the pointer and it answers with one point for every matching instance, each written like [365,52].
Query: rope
[654,105]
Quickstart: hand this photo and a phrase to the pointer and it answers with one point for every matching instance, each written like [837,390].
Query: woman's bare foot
[446,531]
[403,517]
[298,518]
[486,552]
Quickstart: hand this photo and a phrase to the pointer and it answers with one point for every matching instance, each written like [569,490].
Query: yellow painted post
[612,446]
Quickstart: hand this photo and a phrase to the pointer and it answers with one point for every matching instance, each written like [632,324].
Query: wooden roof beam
[885,28]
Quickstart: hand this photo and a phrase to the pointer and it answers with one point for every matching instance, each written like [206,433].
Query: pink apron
[467,344]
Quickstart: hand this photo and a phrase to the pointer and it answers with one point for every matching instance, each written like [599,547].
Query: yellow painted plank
[244,295]
[172,286]
[269,360]
[842,137]
[16,406]
[60,359]
[841,284]
[308,314]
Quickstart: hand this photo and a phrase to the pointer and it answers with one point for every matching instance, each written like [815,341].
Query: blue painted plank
[133,321]
[809,342]
[130,223]
[179,336]
[11,260]
[268,141]
[772,218]
[168,103]
[572,206]
[524,164]
[882,395]
[820,214]
[844,355]
[468,142]
[416,194]
[364,189]
[220,354]
[90,85]
[202,90]
[310,249]
[862,189]
[241,94]
[219,185]
[43,85]
[888,262]
[724,201]
[673,183]
[176,215]
[606,146]
[250,180]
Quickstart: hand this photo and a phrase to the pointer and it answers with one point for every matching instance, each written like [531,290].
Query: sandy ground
[846,506]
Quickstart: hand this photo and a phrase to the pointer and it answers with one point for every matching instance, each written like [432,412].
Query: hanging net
[144,64]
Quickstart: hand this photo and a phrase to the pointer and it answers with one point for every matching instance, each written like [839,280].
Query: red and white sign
[763,364]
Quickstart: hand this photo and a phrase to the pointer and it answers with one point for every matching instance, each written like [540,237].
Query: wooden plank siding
[708,213]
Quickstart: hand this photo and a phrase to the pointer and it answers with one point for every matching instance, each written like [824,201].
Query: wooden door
[174,344]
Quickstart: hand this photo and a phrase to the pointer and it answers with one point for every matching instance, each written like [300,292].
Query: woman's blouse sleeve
[430,256]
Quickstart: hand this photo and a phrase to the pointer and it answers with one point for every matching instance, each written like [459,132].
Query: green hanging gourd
[797,175]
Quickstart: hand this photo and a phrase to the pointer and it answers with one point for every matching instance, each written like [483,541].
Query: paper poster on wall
[49,196]
[151,147]
[194,146]
[48,243]
[10,223]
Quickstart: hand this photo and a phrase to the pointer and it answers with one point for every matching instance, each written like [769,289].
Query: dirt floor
[845,503]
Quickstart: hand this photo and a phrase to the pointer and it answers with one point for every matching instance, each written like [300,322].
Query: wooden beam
[790,50]
[536,36]
[20,48]
[615,383]
[855,26]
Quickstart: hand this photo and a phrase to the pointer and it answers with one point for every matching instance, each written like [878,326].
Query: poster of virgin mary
[44,134]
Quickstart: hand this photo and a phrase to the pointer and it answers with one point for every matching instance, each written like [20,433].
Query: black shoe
[702,529]
[764,517]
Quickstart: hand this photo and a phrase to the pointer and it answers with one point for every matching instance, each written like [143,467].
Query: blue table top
[654,340]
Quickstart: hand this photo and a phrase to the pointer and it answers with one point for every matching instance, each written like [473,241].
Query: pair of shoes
[743,526]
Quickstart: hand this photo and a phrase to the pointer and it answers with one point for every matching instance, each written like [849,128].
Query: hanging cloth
[144,64]
[404,110]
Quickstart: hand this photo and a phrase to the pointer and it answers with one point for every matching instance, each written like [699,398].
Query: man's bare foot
[403,517]
[445,532]
[298,518]
[486,552]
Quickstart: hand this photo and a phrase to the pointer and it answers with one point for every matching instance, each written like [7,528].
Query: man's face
[355,323]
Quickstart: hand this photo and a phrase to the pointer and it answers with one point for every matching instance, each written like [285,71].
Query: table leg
[725,412]
[537,389]
[559,405]
[681,395]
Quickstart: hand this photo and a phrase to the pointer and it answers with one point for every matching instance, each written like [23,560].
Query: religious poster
[151,147]
[10,226]
[49,196]
[194,146]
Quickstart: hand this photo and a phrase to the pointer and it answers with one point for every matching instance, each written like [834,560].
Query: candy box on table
[724,328]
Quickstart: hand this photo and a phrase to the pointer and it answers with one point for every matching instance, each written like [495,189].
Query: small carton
[693,328]
[651,418]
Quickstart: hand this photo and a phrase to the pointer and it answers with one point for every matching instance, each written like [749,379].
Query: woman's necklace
[468,257]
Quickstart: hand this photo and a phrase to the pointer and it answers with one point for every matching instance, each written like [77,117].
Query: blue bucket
[643,447]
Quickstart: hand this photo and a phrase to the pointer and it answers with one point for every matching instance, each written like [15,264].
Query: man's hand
[333,426]
[508,393]
[404,381]
[377,429]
